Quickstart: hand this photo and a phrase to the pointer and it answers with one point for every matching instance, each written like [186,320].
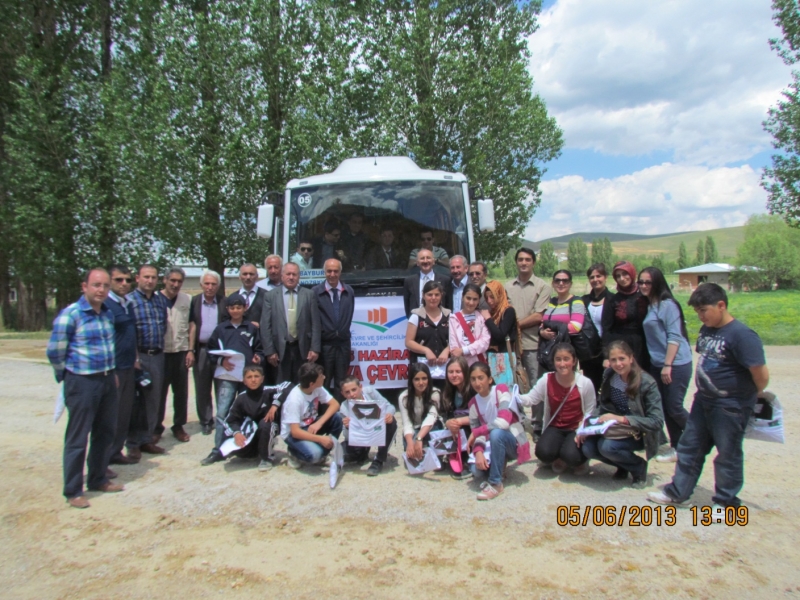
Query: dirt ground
[182,530]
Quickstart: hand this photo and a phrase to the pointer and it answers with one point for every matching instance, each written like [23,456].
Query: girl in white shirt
[419,406]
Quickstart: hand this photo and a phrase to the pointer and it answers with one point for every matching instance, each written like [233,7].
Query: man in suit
[336,304]
[207,310]
[290,325]
[477,273]
[253,296]
[413,284]
[385,255]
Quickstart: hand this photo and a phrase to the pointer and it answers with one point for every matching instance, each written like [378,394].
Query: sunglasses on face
[123,279]
[559,280]
[304,249]
[475,274]
[641,282]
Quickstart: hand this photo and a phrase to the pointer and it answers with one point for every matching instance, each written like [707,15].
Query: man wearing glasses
[304,257]
[440,256]
[477,275]
[125,356]
[327,246]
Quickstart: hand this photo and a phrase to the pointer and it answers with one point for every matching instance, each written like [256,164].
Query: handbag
[586,342]
[621,431]
[517,368]
[546,352]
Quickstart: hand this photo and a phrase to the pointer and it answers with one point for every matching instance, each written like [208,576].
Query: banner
[378,341]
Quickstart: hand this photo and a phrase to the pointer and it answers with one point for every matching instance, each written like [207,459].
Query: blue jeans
[503,447]
[711,426]
[672,395]
[226,394]
[311,452]
[617,453]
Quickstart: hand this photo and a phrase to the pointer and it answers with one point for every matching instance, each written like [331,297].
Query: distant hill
[727,240]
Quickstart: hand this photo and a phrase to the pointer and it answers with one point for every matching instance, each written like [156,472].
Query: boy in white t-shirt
[352,389]
[310,436]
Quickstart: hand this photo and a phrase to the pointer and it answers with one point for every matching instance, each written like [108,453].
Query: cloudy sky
[662,105]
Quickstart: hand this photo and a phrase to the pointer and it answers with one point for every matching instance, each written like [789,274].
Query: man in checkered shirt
[81,351]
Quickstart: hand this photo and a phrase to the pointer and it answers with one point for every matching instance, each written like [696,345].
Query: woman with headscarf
[624,313]
[501,321]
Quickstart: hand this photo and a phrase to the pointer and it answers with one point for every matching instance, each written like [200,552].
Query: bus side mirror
[265,222]
[486,215]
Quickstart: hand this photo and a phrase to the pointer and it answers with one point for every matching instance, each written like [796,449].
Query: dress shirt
[458,291]
[423,279]
[286,302]
[151,319]
[266,284]
[82,341]
[248,296]
[210,319]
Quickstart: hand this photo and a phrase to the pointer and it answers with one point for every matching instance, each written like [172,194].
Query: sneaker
[489,491]
[215,456]
[375,468]
[465,474]
[334,474]
[558,466]
[717,514]
[668,456]
[640,480]
[582,469]
[662,498]
[294,463]
[265,465]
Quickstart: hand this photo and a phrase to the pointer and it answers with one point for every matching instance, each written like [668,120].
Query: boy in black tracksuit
[240,336]
[255,403]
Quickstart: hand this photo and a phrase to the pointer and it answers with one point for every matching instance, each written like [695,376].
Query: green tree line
[151,130]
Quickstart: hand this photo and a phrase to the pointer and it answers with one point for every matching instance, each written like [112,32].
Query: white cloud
[631,77]
[662,199]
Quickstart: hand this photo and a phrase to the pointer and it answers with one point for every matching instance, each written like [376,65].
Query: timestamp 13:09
[646,516]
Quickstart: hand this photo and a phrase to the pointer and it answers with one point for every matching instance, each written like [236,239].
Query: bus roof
[377,168]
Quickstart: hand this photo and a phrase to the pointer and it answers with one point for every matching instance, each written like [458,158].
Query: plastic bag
[766,423]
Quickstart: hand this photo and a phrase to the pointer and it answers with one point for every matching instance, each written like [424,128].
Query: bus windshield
[375,228]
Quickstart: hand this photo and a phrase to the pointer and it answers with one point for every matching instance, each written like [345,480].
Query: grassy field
[727,240]
[775,316]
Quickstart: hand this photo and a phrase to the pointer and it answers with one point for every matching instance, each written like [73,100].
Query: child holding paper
[254,403]
[494,421]
[567,397]
[353,391]
[419,406]
[239,336]
[630,397]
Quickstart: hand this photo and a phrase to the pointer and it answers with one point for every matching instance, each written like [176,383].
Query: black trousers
[176,375]
[290,363]
[335,360]
[203,373]
[359,453]
[126,394]
[145,407]
[559,443]
[261,444]
[92,404]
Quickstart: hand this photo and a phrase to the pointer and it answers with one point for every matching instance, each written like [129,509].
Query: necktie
[247,299]
[292,315]
[336,306]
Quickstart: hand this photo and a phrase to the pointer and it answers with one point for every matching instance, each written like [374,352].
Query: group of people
[352,247]
[118,351]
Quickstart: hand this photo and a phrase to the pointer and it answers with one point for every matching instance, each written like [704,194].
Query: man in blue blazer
[336,302]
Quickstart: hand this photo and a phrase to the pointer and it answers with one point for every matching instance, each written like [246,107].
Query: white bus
[388,193]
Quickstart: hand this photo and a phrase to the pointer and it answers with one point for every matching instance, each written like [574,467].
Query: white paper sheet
[487,454]
[429,462]
[249,429]
[367,427]
[60,406]
[594,427]
[437,371]
[238,365]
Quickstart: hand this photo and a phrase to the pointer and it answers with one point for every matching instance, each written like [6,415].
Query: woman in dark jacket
[624,313]
[628,396]
[594,301]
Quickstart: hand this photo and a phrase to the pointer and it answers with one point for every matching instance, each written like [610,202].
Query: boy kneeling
[353,390]
[256,404]
[310,436]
